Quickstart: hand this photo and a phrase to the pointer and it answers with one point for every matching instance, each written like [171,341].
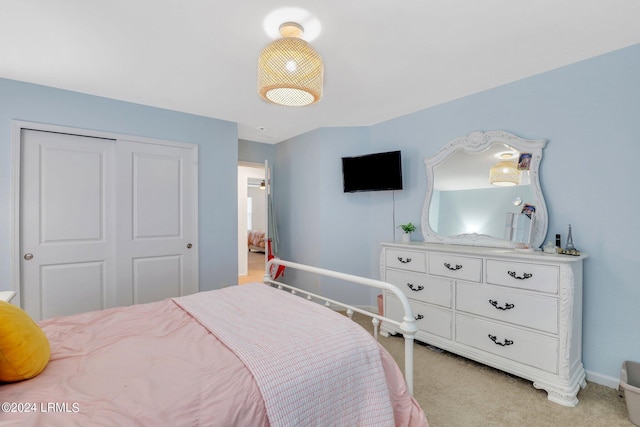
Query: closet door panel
[72,288]
[66,223]
[157,278]
[157,248]
[157,196]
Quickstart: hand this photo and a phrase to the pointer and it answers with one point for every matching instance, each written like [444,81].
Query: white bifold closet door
[104,222]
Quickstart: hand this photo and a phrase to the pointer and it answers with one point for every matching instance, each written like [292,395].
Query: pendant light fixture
[290,72]
[504,174]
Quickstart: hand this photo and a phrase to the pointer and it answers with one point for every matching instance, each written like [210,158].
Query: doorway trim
[242,233]
[14,218]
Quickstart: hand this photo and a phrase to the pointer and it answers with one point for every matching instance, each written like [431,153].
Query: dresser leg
[564,397]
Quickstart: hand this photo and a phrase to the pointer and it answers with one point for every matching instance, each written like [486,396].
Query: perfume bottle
[549,248]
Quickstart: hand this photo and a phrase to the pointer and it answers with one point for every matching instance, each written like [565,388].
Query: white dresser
[520,312]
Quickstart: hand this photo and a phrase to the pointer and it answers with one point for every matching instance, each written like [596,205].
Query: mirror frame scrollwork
[473,143]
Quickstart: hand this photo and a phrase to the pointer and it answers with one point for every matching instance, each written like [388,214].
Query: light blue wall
[218,154]
[318,223]
[256,152]
[590,114]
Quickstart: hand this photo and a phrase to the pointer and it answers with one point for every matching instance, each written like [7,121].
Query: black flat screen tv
[372,172]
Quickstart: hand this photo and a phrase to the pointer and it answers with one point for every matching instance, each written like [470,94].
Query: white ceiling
[383,59]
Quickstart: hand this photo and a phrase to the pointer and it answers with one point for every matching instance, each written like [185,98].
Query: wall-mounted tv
[372,172]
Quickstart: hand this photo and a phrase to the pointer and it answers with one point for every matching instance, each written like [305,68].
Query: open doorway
[252,222]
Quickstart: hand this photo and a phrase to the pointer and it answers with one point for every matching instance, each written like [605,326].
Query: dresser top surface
[487,251]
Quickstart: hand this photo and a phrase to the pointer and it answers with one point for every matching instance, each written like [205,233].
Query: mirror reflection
[484,190]
[465,200]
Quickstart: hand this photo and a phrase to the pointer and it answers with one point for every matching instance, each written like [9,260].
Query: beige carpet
[456,392]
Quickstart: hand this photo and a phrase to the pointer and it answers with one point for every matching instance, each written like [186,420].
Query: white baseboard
[368,308]
[604,380]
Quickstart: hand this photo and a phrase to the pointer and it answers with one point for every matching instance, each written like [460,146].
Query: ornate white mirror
[484,190]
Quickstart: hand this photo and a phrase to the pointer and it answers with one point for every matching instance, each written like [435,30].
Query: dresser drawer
[420,287]
[532,349]
[406,260]
[429,319]
[532,311]
[537,277]
[456,267]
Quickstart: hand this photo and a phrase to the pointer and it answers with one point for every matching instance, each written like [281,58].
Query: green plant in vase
[407,229]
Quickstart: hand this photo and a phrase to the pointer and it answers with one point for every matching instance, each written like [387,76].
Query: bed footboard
[407,326]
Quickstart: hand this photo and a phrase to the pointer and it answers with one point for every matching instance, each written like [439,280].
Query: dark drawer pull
[507,306]
[524,275]
[419,317]
[415,288]
[505,343]
[457,267]
[404,260]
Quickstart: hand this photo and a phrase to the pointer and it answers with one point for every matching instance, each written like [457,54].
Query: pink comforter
[150,365]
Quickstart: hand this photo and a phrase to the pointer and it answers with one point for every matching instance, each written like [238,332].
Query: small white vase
[406,237]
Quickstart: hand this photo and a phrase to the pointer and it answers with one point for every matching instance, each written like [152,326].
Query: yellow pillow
[24,348]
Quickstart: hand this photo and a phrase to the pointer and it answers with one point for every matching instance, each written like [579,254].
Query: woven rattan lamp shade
[504,174]
[290,73]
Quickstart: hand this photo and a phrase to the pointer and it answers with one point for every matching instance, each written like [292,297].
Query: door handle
[28,257]
[189,245]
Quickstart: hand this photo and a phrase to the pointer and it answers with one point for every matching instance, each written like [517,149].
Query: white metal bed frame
[408,325]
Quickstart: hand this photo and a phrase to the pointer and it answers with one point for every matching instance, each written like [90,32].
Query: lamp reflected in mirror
[505,174]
